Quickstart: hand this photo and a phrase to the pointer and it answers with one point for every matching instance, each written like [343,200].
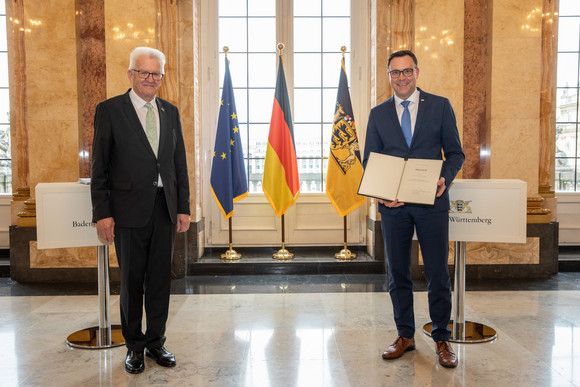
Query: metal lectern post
[463,331]
[458,331]
[104,335]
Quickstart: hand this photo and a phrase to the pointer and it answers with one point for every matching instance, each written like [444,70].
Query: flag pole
[345,254]
[230,254]
[283,254]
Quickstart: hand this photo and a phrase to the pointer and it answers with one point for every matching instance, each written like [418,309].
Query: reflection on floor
[296,331]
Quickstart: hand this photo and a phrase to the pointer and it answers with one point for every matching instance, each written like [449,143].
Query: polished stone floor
[283,331]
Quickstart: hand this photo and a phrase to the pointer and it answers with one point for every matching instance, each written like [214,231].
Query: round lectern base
[89,338]
[472,332]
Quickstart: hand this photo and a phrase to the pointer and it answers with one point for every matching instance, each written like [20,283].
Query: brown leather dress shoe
[447,357]
[399,347]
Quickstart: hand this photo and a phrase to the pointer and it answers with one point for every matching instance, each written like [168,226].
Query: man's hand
[106,229]
[440,186]
[183,222]
[391,204]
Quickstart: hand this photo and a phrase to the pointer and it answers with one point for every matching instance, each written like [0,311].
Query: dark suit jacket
[435,130]
[124,168]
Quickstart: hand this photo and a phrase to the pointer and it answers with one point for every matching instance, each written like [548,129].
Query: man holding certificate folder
[413,124]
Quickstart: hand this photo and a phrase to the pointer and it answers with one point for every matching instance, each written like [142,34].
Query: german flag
[280,181]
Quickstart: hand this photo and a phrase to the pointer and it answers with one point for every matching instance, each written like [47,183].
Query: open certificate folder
[409,180]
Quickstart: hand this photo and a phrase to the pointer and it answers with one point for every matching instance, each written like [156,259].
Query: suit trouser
[144,256]
[433,233]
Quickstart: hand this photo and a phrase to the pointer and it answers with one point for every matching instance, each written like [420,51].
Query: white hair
[149,52]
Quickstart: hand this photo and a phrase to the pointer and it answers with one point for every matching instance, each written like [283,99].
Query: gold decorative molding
[21,194]
[535,212]
[546,191]
[17,204]
[27,217]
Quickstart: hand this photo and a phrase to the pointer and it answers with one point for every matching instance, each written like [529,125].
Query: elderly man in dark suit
[415,124]
[140,196]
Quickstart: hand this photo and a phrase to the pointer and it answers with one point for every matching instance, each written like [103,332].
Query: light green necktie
[151,127]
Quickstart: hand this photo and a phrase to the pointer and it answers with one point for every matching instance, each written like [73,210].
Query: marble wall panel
[78,257]
[482,253]
[51,88]
[439,50]
[503,253]
[515,88]
[128,24]
[53,149]
[514,151]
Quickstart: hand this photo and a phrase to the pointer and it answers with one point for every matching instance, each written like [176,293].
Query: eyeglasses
[397,73]
[145,75]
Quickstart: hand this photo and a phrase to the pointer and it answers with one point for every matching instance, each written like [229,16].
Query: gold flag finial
[280,48]
[226,49]
[343,49]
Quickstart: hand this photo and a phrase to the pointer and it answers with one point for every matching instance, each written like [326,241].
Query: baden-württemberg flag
[344,167]
[280,182]
[228,173]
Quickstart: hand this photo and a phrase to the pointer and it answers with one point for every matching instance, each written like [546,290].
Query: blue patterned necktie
[406,122]
[151,127]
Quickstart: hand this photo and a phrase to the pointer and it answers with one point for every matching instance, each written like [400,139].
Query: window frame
[254,234]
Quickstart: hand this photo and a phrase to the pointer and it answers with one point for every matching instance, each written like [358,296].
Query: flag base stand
[283,254]
[345,255]
[231,255]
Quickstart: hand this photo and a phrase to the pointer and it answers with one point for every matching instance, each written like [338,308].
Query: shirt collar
[414,98]
[138,101]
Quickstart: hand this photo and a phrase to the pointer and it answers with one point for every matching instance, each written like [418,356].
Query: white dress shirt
[413,108]
[139,105]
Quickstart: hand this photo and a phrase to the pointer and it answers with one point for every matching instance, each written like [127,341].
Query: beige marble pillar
[175,37]
[91,73]
[166,41]
[548,105]
[476,69]
[395,21]
[15,31]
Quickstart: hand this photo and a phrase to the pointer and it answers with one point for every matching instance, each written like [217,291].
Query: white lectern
[481,211]
[64,219]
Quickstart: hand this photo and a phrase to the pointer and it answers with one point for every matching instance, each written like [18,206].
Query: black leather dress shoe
[134,363]
[162,356]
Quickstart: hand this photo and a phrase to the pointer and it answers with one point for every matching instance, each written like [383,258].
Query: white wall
[5,221]
[569,218]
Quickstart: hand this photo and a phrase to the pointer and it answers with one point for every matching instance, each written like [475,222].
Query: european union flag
[228,172]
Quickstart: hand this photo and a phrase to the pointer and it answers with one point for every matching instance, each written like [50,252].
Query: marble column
[91,73]
[395,22]
[548,105]
[175,34]
[15,30]
[392,29]
[476,91]
[166,41]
